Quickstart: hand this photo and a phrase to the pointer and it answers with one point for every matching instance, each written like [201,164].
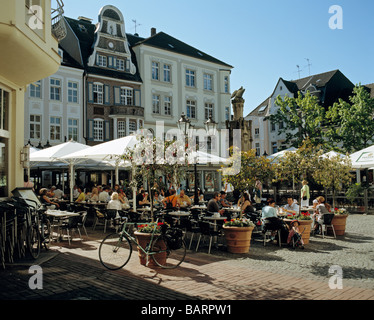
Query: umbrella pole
[71,170]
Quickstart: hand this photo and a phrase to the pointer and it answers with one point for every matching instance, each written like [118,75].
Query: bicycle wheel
[33,242]
[166,257]
[115,251]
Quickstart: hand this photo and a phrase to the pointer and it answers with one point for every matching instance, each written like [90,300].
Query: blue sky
[264,40]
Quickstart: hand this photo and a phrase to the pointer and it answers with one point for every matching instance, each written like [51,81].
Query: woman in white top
[114,204]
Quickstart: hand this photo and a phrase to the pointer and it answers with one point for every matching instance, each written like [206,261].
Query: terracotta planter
[339,222]
[238,239]
[143,240]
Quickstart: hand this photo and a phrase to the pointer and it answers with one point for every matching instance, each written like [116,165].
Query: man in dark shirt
[141,198]
[213,204]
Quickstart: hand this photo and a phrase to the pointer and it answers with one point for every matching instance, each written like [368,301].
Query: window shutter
[110,62]
[117,96]
[106,94]
[90,92]
[137,98]
[107,130]
[90,136]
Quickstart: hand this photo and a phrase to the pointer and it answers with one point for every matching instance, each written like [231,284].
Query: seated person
[183,200]
[44,199]
[213,206]
[142,198]
[223,201]
[200,195]
[270,217]
[170,201]
[321,209]
[246,206]
[82,196]
[104,195]
[291,206]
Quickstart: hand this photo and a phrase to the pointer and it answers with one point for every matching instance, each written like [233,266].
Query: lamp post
[184,125]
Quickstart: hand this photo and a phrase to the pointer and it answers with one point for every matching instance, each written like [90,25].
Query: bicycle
[115,250]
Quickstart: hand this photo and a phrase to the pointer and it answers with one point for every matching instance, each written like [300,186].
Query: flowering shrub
[340,211]
[304,215]
[148,228]
[240,222]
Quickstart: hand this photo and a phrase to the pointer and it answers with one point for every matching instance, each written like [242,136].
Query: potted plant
[238,233]
[305,223]
[143,235]
[339,221]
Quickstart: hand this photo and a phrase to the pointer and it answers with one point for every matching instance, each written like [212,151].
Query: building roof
[166,42]
[85,33]
[370,88]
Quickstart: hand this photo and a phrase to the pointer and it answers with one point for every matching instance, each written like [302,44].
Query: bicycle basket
[173,238]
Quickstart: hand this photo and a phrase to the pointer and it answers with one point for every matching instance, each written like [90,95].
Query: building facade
[329,87]
[29,52]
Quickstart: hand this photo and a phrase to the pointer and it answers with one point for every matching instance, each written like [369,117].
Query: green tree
[351,123]
[301,118]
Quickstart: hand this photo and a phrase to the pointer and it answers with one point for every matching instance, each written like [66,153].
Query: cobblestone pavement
[266,273]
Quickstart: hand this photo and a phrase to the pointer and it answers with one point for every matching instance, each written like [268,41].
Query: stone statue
[238,94]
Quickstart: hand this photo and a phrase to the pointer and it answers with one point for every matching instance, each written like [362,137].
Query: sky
[263,40]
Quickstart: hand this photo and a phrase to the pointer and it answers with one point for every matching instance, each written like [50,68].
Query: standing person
[305,195]
[258,191]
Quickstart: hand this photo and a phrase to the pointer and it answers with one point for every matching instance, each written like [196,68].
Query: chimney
[153,31]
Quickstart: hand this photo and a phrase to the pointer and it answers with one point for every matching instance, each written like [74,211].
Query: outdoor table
[59,217]
[201,207]
[178,214]
[215,219]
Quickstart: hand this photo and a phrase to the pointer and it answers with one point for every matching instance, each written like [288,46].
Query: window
[101,60]
[257,132]
[190,78]
[35,126]
[36,89]
[98,129]
[273,128]
[167,106]
[226,84]
[55,89]
[208,82]
[132,126]
[98,92]
[127,96]
[191,109]
[155,71]
[258,149]
[281,125]
[120,64]
[227,113]
[4,111]
[55,128]
[274,147]
[121,127]
[73,129]
[208,110]
[156,103]
[72,92]
[4,140]
[167,73]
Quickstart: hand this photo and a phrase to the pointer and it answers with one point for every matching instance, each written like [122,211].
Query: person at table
[82,195]
[59,194]
[75,192]
[114,203]
[270,218]
[200,195]
[321,209]
[123,198]
[183,200]
[213,206]
[51,192]
[246,206]
[142,198]
[94,194]
[104,195]
[44,199]
[291,206]
[170,201]
[223,201]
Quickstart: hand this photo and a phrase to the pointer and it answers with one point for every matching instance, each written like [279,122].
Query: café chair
[188,226]
[206,231]
[327,222]
[72,224]
[268,230]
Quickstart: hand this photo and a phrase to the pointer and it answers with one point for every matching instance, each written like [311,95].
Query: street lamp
[211,127]
[184,124]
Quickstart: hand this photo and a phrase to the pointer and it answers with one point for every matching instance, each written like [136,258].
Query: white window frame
[73,92]
[36,89]
[190,78]
[155,71]
[121,129]
[98,93]
[127,96]
[167,73]
[98,129]
[120,64]
[209,110]
[132,126]
[55,89]
[167,105]
[191,109]
[208,82]
[55,128]
[102,61]
[156,104]
[73,129]
[227,88]
[37,126]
